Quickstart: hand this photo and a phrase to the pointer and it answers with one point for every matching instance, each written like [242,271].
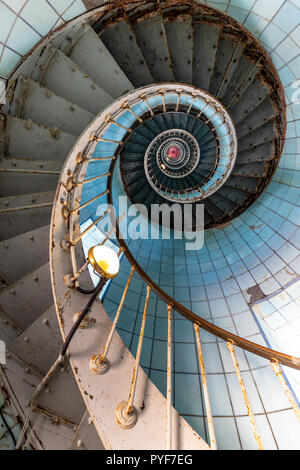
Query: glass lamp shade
[105,261]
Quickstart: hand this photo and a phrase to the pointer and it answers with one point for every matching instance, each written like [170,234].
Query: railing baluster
[101,139]
[202,110]
[245,396]
[125,106]
[108,118]
[71,184]
[126,414]
[147,103]
[74,211]
[211,430]
[276,368]
[161,92]
[191,105]
[74,242]
[169,380]
[178,99]
[99,363]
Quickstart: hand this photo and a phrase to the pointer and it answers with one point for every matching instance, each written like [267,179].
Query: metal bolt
[79,443]
[12,291]
[90,421]
[14,163]
[32,237]
[27,370]
[6,203]
[28,124]
[35,278]
[45,321]
[26,339]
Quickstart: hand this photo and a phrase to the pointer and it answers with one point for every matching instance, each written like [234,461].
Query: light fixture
[104,260]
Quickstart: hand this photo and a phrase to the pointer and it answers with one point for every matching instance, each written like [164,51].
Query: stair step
[19,177]
[259,116]
[245,184]
[206,40]
[151,37]
[21,214]
[28,139]
[24,253]
[261,152]
[39,345]
[255,94]
[256,169]
[61,75]
[160,123]
[122,44]
[228,52]
[243,76]
[259,136]
[226,205]
[103,68]
[36,102]
[180,42]
[24,300]
[62,400]
[235,195]
[132,147]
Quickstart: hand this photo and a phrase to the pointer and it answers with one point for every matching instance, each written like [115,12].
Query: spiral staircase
[161,102]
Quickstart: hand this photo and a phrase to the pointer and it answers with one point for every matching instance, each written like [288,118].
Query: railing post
[276,368]
[169,380]
[126,413]
[99,364]
[210,423]
[245,396]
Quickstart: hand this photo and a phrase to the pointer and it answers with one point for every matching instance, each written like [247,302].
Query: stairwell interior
[244,280]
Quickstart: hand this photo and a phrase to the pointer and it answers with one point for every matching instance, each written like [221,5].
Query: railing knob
[126,419]
[98,364]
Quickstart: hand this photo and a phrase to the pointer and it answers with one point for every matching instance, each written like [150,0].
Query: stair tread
[104,70]
[181,32]
[47,108]
[121,43]
[66,78]
[151,37]
[18,302]
[48,142]
[30,250]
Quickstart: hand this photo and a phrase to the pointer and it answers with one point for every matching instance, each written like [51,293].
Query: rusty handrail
[270,354]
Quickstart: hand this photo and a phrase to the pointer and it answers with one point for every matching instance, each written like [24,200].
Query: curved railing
[110,130]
